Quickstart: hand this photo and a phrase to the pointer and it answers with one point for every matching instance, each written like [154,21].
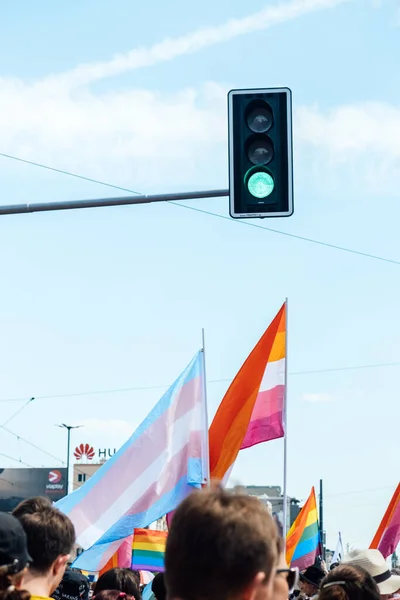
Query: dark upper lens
[259,118]
[260,150]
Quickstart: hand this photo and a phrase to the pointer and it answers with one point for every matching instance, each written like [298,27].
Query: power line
[31,443]
[62,172]
[18,412]
[364,491]
[291,235]
[209,213]
[16,460]
[210,381]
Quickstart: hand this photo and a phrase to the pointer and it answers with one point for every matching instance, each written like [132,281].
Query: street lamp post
[68,428]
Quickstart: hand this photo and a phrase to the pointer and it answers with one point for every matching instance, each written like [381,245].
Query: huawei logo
[84,450]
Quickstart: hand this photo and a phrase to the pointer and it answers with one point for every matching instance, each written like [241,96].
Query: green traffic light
[260,184]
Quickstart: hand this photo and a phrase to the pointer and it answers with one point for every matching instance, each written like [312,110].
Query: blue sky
[135,95]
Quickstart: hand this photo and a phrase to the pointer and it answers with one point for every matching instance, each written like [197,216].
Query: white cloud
[361,142]
[169,49]
[142,139]
[104,433]
[371,127]
[132,138]
[317,397]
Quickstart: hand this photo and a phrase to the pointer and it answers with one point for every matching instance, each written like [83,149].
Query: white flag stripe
[178,440]
[274,375]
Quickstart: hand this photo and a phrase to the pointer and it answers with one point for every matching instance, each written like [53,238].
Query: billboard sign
[19,484]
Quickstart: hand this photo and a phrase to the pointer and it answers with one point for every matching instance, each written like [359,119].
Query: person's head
[374,563]
[14,558]
[310,580]
[112,595]
[158,587]
[51,537]
[32,505]
[221,546]
[122,580]
[347,582]
[73,586]
[136,575]
[285,579]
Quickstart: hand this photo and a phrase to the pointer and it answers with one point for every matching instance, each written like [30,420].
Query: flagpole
[285,496]
[206,453]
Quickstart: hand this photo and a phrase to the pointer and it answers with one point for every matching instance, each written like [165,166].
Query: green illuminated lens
[260,184]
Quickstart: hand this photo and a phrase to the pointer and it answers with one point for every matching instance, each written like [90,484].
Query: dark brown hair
[217,544]
[50,534]
[112,595]
[347,582]
[7,589]
[32,505]
[122,580]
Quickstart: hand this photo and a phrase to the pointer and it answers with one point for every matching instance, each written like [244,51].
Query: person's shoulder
[40,598]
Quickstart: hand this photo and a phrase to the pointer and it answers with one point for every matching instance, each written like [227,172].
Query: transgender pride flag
[252,409]
[149,476]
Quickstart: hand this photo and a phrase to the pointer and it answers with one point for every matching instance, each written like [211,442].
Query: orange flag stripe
[231,421]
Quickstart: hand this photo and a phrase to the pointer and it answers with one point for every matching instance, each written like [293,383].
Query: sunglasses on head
[292,577]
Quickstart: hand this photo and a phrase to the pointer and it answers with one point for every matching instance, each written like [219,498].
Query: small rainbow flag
[387,537]
[302,542]
[148,550]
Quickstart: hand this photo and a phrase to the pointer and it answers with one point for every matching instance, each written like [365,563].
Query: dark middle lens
[260,150]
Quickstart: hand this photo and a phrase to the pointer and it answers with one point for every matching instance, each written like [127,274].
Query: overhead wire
[205,212]
[63,172]
[18,412]
[209,381]
[30,443]
[213,214]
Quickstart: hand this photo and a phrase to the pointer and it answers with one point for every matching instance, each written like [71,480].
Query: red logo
[55,476]
[84,450]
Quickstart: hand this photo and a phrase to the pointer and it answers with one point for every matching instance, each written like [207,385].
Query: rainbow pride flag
[148,550]
[387,538]
[302,542]
[252,409]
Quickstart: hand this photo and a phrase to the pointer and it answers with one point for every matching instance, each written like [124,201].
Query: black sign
[19,484]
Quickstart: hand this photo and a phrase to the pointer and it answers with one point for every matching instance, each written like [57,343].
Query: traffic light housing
[260,153]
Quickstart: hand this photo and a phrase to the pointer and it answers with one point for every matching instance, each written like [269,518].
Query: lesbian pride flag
[148,477]
[387,538]
[252,409]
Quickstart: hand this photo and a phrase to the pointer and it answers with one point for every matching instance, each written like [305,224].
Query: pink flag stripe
[266,421]
[173,472]
[269,402]
[263,430]
[176,471]
[113,483]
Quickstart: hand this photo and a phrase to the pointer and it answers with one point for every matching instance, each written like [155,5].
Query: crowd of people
[220,546]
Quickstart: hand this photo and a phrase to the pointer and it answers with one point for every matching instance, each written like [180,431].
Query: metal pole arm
[14,209]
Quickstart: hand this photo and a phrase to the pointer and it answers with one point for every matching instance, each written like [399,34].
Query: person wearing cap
[74,586]
[373,562]
[310,581]
[14,557]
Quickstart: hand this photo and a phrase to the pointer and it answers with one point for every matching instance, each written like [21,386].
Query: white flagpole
[285,496]
[206,450]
